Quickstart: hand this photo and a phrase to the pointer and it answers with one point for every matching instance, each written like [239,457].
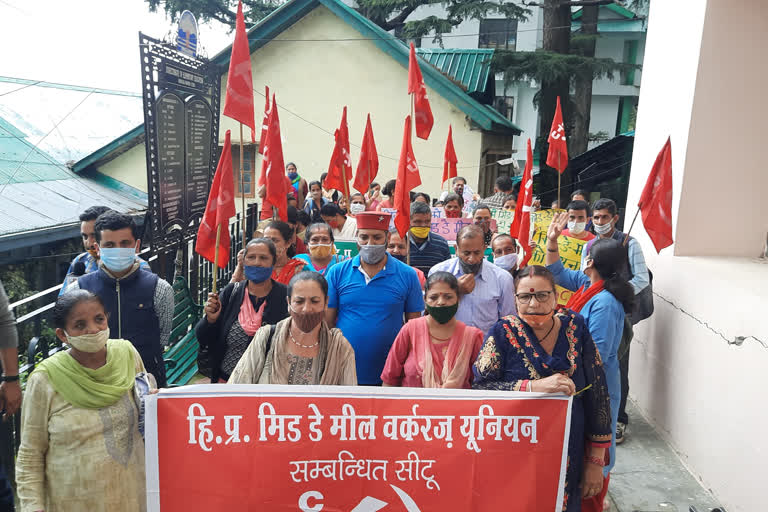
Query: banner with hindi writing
[449,228]
[350,449]
[570,249]
[503,218]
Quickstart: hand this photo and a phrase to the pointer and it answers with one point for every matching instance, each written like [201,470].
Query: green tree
[387,14]
[566,60]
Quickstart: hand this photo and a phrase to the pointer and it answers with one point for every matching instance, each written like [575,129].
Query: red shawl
[293,267]
[579,299]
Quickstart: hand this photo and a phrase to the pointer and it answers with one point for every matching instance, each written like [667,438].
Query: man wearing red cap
[368,295]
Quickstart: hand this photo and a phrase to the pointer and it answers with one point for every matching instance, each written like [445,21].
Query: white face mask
[603,229]
[90,343]
[356,208]
[576,228]
[507,262]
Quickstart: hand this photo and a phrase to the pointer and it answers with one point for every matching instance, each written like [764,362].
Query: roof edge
[105,150]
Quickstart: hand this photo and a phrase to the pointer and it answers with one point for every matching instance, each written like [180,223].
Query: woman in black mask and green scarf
[80,443]
[436,350]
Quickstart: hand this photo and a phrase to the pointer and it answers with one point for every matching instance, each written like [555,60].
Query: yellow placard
[570,250]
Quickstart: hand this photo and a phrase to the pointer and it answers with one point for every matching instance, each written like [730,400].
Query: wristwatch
[9,378]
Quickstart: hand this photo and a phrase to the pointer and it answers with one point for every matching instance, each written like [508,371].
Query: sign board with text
[570,249]
[181,127]
[354,449]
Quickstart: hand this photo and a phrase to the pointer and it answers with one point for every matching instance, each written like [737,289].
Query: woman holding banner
[301,349]
[545,350]
[434,351]
[233,316]
[603,298]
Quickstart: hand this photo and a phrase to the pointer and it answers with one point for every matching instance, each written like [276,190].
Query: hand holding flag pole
[219,209]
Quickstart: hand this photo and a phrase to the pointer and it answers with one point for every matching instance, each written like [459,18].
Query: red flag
[656,200]
[408,178]
[273,168]
[449,165]
[218,211]
[557,156]
[422,111]
[340,167]
[264,123]
[238,103]
[521,224]
[368,167]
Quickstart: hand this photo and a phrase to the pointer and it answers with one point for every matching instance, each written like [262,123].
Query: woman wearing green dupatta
[80,444]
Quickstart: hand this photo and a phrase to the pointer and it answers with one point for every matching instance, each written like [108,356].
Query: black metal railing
[42,344]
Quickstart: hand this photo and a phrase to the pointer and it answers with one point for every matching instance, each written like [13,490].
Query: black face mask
[474,268]
[399,257]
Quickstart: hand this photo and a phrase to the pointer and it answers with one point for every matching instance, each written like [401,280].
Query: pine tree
[566,59]
[387,14]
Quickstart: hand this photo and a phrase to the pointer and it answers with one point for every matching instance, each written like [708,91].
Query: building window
[505,105]
[498,33]
[247,187]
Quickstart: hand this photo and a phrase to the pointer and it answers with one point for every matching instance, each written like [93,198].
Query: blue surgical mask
[117,259]
[257,274]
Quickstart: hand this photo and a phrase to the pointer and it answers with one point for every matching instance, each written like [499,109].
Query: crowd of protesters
[414,310]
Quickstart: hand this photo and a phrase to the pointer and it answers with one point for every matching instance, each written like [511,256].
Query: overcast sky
[85,42]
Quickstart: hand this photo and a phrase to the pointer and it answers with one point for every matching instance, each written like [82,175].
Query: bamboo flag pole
[559,176]
[242,186]
[216,259]
[626,237]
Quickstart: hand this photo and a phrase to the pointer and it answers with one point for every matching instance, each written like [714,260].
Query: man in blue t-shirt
[368,296]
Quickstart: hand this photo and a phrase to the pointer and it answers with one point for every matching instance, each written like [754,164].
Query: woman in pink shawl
[434,351]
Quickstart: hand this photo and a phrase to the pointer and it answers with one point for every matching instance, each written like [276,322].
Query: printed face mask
[257,274]
[356,208]
[118,259]
[90,343]
[321,251]
[452,214]
[576,228]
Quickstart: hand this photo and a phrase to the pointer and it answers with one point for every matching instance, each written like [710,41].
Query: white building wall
[603,116]
[704,394]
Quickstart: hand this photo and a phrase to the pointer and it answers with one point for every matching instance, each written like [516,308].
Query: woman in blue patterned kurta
[602,297]
[547,350]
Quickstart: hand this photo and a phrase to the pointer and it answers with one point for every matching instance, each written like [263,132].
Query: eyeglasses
[525,298]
